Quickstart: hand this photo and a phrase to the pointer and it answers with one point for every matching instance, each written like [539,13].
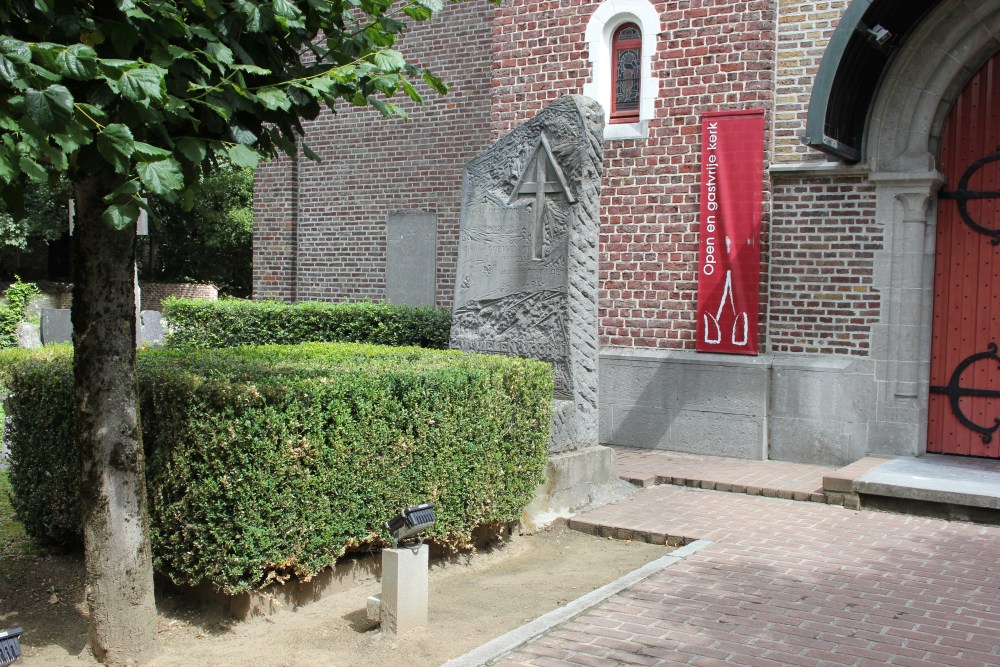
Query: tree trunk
[113,484]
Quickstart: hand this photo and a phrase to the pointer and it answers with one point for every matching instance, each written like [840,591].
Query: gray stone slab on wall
[411,256]
[821,408]
[527,259]
[810,409]
[56,326]
[685,402]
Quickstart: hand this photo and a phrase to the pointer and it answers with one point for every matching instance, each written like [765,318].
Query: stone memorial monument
[527,279]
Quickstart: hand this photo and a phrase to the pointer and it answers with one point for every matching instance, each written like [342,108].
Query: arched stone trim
[608,16]
[902,141]
[925,79]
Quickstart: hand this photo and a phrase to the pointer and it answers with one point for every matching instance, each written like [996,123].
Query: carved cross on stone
[542,176]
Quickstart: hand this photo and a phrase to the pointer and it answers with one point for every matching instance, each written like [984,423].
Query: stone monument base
[579,479]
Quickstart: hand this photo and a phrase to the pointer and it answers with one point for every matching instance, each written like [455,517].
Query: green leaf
[16,50]
[121,215]
[257,19]
[75,136]
[77,61]
[410,91]
[251,69]
[343,74]
[389,60]
[322,84]
[128,189]
[50,108]
[142,83]
[243,156]
[194,150]
[274,98]
[150,152]
[242,135]
[95,113]
[8,71]
[116,145]
[161,177]
[287,13]
[32,169]
[310,153]
[383,107]
[8,170]
[435,83]
[417,13]
[219,52]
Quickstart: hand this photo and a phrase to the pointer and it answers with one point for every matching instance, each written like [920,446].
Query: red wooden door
[964,404]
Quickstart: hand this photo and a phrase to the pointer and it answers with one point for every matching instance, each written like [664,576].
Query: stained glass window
[626,66]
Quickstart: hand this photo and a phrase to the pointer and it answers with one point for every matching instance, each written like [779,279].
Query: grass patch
[13,541]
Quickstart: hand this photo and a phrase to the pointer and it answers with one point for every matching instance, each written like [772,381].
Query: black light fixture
[411,521]
[880,34]
[10,646]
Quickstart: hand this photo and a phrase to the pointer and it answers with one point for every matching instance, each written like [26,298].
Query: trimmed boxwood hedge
[196,323]
[268,462]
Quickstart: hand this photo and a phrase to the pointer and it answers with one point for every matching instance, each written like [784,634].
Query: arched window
[626,66]
[621,43]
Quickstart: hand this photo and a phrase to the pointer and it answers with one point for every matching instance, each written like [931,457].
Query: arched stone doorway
[902,145]
[891,73]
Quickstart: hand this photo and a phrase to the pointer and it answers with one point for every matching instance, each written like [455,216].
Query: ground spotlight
[410,522]
[10,646]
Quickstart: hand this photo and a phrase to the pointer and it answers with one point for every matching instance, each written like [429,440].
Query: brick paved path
[775,479]
[789,583]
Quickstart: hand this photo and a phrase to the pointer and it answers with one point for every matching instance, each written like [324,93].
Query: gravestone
[56,326]
[28,336]
[151,329]
[527,274]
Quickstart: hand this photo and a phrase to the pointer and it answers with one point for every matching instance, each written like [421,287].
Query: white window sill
[613,131]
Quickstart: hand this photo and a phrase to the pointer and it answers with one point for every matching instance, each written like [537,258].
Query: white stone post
[404,589]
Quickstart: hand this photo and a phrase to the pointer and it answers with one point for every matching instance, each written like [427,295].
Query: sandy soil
[471,602]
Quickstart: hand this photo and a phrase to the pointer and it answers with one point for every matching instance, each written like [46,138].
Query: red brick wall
[713,55]
[153,294]
[372,167]
[507,63]
[60,295]
[275,215]
[823,244]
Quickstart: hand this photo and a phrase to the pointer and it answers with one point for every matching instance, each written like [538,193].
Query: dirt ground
[471,601]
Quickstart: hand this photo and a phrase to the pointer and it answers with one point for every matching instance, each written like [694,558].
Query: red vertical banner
[732,180]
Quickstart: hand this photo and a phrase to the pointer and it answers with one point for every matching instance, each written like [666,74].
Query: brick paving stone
[798,481]
[789,582]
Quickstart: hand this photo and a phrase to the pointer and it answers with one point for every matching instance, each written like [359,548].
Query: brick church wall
[823,231]
[804,30]
[823,244]
[507,63]
[714,55]
[331,215]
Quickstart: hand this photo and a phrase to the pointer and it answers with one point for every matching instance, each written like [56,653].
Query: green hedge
[268,462]
[16,299]
[196,323]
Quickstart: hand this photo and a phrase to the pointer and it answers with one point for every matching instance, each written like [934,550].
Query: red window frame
[617,46]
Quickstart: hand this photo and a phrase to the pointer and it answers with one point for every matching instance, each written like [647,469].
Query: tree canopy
[132,99]
[157,92]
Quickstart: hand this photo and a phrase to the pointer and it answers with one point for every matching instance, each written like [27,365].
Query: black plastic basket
[10,646]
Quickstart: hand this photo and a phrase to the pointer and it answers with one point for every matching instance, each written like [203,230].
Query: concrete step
[956,480]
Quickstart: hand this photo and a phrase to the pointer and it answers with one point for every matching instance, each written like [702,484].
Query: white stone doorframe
[901,147]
